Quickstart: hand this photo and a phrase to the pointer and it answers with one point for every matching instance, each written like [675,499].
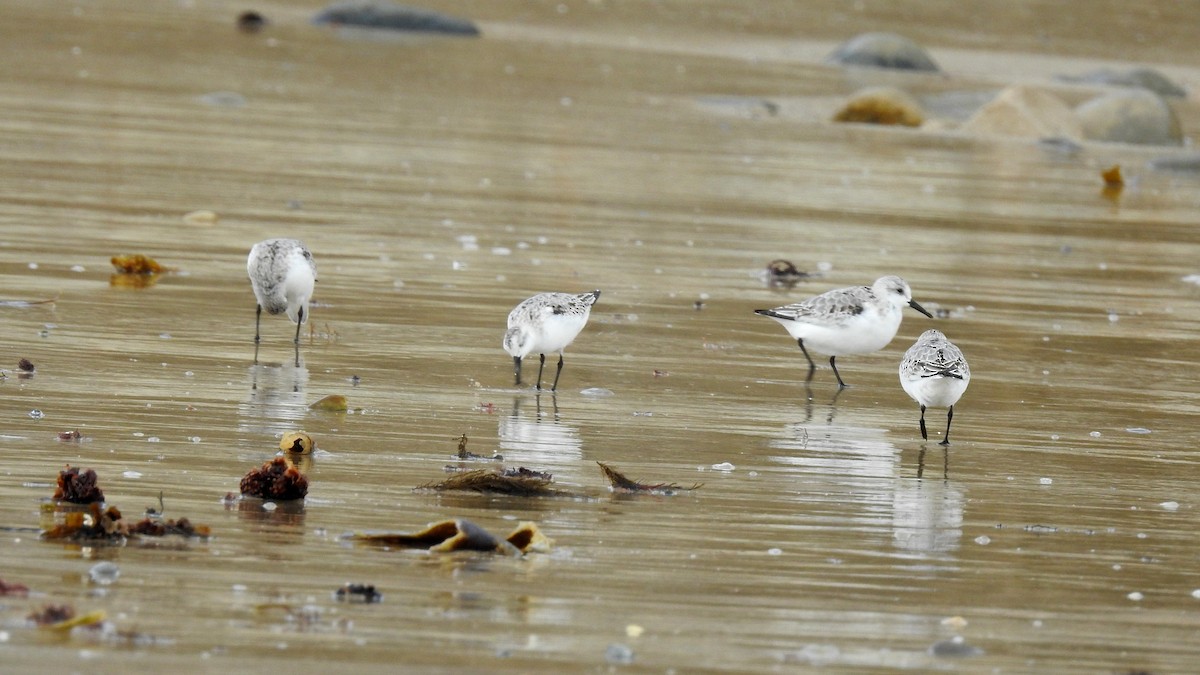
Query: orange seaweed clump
[277,479]
[92,525]
[78,487]
[1112,176]
[136,263]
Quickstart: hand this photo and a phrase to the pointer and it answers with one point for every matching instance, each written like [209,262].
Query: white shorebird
[935,374]
[546,323]
[855,320]
[282,274]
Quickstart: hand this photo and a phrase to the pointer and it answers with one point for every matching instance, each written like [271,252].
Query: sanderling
[282,274]
[855,320]
[934,373]
[547,322]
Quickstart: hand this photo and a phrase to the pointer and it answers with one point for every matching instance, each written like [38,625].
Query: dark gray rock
[883,50]
[391,16]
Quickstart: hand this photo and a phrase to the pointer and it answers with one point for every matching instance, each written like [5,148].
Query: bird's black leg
[257,320]
[299,322]
[924,435]
[541,364]
[812,367]
[841,385]
[554,387]
[949,416]
[517,371]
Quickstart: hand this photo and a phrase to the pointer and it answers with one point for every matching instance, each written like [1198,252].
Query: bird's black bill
[914,305]
[517,371]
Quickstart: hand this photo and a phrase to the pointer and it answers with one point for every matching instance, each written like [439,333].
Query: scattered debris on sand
[462,535]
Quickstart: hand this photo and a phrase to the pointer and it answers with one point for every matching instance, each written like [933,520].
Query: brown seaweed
[18,590]
[276,480]
[621,483]
[462,535]
[148,527]
[78,487]
[520,482]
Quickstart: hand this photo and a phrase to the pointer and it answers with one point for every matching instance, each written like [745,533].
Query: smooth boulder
[1130,116]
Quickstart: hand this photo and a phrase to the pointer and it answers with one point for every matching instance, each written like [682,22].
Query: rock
[1025,111]
[1132,116]
[1139,78]
[1185,163]
[883,50]
[881,105]
[391,16]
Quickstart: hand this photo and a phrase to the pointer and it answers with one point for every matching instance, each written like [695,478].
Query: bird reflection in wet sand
[282,275]
[935,374]
[808,404]
[855,320]
[547,322]
[945,463]
[541,440]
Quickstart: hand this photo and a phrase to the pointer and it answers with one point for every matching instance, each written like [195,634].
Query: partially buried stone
[1139,78]
[391,16]
[1130,116]
[881,105]
[883,50]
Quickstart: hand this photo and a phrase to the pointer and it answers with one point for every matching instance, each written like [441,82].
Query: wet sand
[627,148]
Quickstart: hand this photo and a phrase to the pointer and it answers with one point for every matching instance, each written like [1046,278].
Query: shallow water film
[664,153]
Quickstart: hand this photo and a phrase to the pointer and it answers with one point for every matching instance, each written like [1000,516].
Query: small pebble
[201,217]
[36,414]
[1045,481]
[1135,596]
[104,573]
[955,647]
[251,22]
[1170,506]
[723,466]
[619,654]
